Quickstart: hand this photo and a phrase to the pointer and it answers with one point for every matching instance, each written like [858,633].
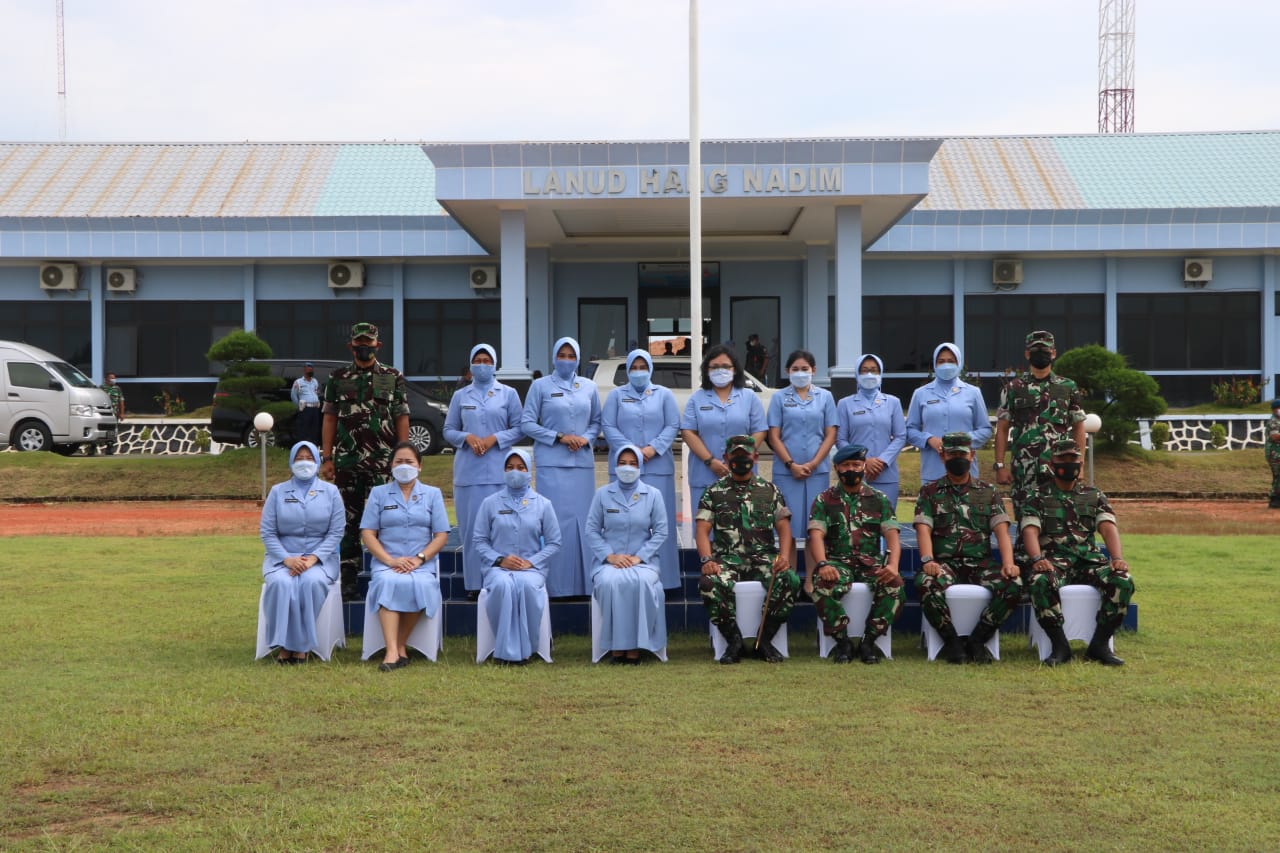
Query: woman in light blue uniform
[517,534]
[721,408]
[562,416]
[626,529]
[483,420]
[945,405]
[874,419]
[404,526]
[302,525]
[802,431]
[647,416]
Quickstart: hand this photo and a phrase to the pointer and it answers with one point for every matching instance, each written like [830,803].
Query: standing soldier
[305,394]
[1058,526]
[366,414]
[845,526]
[116,395]
[955,517]
[1273,452]
[1036,409]
[737,518]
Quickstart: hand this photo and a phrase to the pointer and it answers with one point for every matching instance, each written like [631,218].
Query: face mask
[741,465]
[303,469]
[404,474]
[482,373]
[801,379]
[958,466]
[1066,471]
[947,371]
[869,381]
[308,374]
[363,352]
[516,479]
[852,479]
[1040,358]
[627,474]
[721,377]
[566,367]
[639,379]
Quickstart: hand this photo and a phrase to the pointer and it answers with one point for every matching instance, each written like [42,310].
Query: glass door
[602,328]
[753,323]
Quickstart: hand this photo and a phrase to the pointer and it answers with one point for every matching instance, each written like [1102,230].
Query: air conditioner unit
[346,275]
[122,280]
[1006,271]
[484,278]
[58,276]
[1197,270]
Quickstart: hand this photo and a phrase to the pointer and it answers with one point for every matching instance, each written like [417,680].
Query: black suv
[232,426]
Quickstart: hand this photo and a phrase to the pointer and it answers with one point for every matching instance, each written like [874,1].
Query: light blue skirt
[291,604]
[633,608]
[514,606]
[466,503]
[570,491]
[668,557]
[404,593]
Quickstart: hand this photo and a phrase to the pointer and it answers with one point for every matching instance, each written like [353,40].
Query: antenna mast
[62,79]
[1115,65]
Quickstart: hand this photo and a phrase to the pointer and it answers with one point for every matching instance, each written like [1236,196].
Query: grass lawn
[134,718]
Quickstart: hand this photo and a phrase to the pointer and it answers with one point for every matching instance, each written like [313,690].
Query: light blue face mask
[801,378]
[516,479]
[404,474]
[482,373]
[639,379]
[721,377]
[303,470]
[947,371]
[627,474]
[566,367]
[869,381]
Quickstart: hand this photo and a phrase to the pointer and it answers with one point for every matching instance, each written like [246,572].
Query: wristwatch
[998,466]
[421,555]
[702,561]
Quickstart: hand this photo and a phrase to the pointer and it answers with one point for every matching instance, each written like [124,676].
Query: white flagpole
[694,179]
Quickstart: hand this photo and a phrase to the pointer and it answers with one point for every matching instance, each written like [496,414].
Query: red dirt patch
[131,518]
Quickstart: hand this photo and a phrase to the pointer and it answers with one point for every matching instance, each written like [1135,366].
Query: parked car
[610,373]
[234,426]
[48,404]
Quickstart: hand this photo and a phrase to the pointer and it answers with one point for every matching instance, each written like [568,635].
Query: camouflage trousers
[354,485]
[1275,478]
[886,600]
[1028,478]
[1005,593]
[1094,570]
[718,597]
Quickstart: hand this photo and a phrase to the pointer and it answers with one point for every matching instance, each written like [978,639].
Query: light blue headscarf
[870,395]
[639,464]
[648,360]
[293,454]
[959,360]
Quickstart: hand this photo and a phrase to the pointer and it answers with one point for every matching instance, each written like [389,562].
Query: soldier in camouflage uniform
[116,395]
[735,525]
[366,413]
[1036,409]
[1058,526]
[955,517]
[845,526]
[1273,452]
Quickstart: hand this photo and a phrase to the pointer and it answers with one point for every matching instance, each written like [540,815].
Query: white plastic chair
[1080,605]
[966,601]
[427,636]
[597,651]
[485,639]
[856,604]
[330,630]
[749,596]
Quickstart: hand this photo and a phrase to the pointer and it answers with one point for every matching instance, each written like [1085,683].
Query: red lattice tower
[1115,65]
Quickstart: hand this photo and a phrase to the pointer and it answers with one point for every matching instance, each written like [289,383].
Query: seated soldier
[845,526]
[955,516]
[1058,526]
[737,518]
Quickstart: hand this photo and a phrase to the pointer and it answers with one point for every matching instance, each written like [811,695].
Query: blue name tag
[558,394]
[469,408]
[615,511]
[506,512]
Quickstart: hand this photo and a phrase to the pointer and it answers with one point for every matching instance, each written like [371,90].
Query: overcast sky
[470,70]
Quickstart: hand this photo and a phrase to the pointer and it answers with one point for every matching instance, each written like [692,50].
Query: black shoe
[844,650]
[976,643]
[403,661]
[617,660]
[768,653]
[1061,652]
[764,642]
[733,645]
[631,661]
[388,667]
[505,662]
[953,650]
[869,652]
[1100,646]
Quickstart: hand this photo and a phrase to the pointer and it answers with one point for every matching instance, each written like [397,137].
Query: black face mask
[1067,472]
[741,465]
[363,352]
[852,479]
[958,466]
[1040,358]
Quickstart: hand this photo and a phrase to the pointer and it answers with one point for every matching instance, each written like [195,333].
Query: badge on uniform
[575,386]
[311,494]
[490,393]
[524,502]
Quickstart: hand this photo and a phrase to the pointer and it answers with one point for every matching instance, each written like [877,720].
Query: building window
[602,328]
[165,338]
[61,327]
[314,329]
[1190,331]
[996,326]
[903,330]
[439,334]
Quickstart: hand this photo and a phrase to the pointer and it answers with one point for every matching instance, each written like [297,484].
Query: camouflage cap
[1275,404]
[364,330]
[1066,447]
[740,442]
[851,451]
[1041,338]
[956,441]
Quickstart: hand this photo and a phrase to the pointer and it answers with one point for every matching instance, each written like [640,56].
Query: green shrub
[1160,434]
[1218,435]
[1236,393]
[1119,394]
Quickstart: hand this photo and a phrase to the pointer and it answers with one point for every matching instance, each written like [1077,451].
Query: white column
[97,325]
[957,305]
[817,286]
[398,330]
[1270,281]
[249,276]
[515,363]
[539,313]
[848,292]
[1110,321]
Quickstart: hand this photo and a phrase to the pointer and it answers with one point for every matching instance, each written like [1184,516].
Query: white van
[47,404]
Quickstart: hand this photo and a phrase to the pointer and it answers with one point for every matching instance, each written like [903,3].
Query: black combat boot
[976,643]
[1100,646]
[1061,652]
[844,650]
[869,652]
[733,644]
[952,648]
[764,644]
